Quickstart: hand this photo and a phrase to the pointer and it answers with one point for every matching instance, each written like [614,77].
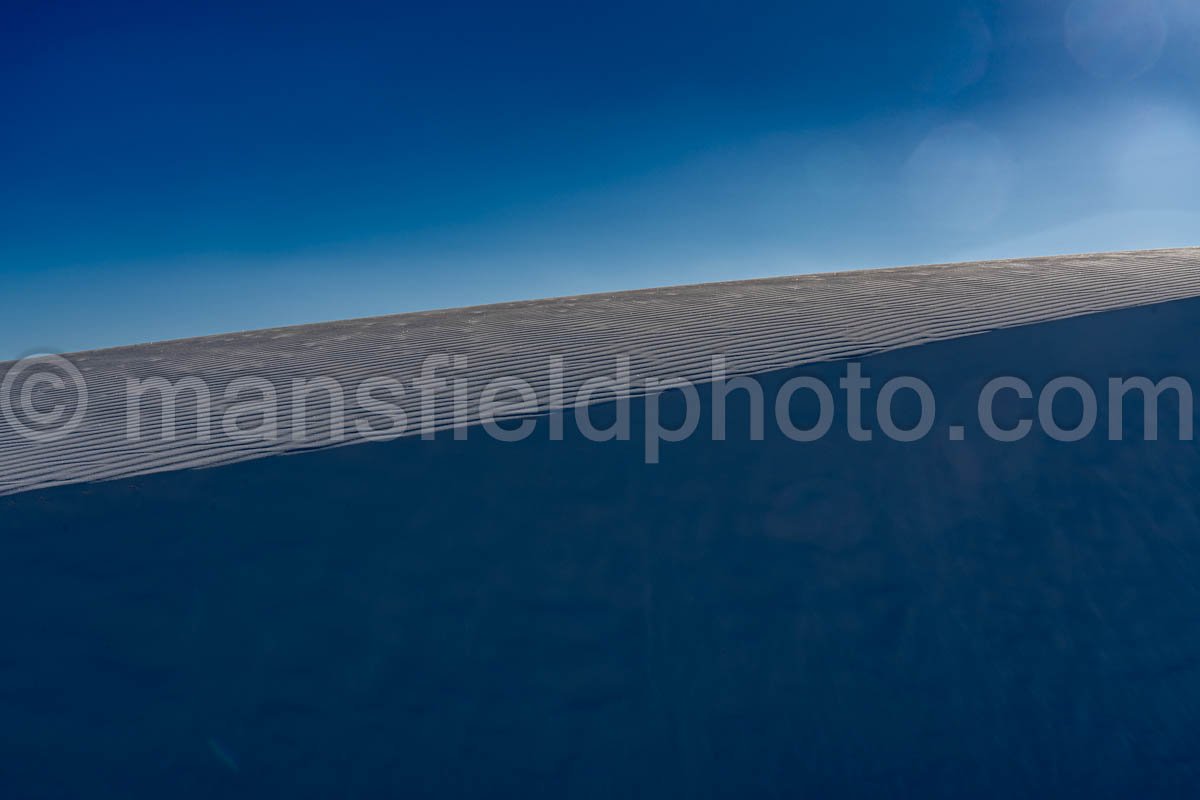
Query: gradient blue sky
[169,172]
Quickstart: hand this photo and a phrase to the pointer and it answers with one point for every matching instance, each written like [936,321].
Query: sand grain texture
[759,326]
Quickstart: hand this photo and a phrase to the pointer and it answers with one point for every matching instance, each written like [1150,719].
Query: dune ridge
[758,325]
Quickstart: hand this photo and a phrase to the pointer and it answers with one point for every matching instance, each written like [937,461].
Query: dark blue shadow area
[744,619]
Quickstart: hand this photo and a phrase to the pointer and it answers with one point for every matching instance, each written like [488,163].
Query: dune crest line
[757,326]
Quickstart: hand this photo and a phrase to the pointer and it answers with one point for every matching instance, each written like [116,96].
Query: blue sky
[168,171]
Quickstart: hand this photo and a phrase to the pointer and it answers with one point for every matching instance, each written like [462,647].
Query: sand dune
[759,326]
[747,618]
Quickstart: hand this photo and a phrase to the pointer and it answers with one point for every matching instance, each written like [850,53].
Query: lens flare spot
[1115,39]
[960,176]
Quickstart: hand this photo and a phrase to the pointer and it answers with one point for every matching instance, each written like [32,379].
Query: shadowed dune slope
[759,326]
[745,619]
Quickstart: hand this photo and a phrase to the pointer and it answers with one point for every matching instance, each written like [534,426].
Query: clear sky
[168,171]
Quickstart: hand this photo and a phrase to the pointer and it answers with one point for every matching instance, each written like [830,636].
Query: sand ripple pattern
[758,325]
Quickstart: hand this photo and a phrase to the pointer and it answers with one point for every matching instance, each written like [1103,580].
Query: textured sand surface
[759,326]
[745,619]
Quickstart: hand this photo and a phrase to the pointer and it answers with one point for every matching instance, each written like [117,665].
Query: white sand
[758,326]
